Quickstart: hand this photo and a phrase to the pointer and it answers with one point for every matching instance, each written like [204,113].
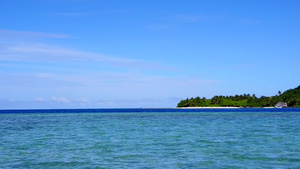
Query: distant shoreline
[221,107]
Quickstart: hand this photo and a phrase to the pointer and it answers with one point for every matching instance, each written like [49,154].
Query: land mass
[291,97]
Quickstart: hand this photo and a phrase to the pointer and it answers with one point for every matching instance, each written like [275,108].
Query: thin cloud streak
[107,82]
[240,67]
[46,53]
[70,14]
[191,18]
[176,21]
[29,52]
[11,33]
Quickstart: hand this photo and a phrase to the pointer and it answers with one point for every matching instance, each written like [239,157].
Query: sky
[144,53]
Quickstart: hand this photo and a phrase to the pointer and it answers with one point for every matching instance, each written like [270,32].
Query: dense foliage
[291,97]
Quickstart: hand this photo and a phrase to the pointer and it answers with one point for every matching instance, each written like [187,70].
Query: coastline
[210,107]
[220,107]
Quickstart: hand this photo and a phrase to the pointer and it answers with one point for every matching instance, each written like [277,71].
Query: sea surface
[150,138]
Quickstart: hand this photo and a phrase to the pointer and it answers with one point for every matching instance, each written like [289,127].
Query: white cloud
[80,100]
[54,99]
[60,100]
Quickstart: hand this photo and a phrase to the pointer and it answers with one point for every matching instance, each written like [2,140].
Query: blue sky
[150,53]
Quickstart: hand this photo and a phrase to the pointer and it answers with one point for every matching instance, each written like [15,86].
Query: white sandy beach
[217,107]
[209,107]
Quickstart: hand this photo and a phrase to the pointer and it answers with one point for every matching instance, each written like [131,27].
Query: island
[289,98]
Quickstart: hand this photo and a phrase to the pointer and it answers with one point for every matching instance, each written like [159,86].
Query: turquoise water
[150,140]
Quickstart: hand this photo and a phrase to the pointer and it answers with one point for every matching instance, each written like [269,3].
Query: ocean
[150,138]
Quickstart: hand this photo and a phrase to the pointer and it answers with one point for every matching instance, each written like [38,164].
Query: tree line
[291,97]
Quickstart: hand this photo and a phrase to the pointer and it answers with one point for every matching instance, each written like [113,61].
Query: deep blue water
[150,138]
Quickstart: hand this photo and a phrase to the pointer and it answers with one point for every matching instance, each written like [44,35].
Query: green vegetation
[291,97]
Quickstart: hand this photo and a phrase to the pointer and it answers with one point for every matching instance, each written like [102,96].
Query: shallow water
[191,139]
